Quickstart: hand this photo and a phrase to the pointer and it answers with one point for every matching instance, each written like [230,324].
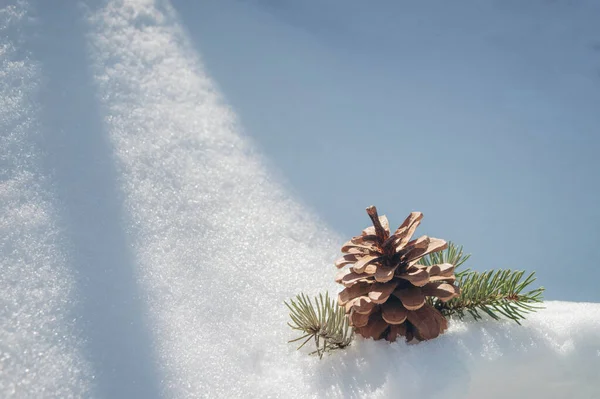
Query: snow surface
[147,252]
[40,346]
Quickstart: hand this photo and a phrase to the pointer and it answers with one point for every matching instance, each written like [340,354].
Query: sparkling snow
[40,345]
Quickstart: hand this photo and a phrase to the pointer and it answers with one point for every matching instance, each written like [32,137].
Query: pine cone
[386,290]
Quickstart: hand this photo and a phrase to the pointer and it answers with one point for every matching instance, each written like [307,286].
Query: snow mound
[146,252]
[554,354]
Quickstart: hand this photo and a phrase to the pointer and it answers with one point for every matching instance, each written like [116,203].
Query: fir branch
[324,322]
[495,292]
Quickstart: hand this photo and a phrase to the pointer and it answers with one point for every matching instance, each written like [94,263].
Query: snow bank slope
[555,354]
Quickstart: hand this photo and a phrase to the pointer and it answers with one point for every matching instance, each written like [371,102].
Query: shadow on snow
[79,156]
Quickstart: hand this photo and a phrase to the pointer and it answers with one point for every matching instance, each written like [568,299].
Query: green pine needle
[496,292]
[324,322]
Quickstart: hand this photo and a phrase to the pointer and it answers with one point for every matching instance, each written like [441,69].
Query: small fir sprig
[324,322]
[495,292]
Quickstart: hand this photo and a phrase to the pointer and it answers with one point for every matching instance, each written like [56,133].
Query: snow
[555,354]
[146,250]
[40,345]
[218,246]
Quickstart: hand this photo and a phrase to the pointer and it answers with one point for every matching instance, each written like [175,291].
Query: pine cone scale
[441,290]
[393,313]
[362,304]
[360,247]
[364,239]
[384,274]
[352,292]
[380,292]
[359,319]
[346,260]
[428,322]
[433,245]
[375,327]
[416,276]
[412,298]
[360,266]
[409,226]
[352,278]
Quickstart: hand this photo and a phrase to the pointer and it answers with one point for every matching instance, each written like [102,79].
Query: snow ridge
[219,246]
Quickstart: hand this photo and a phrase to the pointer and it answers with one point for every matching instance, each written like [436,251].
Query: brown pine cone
[386,290]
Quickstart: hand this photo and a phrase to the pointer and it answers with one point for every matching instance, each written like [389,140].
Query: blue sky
[483,115]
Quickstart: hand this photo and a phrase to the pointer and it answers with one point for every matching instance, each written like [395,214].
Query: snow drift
[146,252]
